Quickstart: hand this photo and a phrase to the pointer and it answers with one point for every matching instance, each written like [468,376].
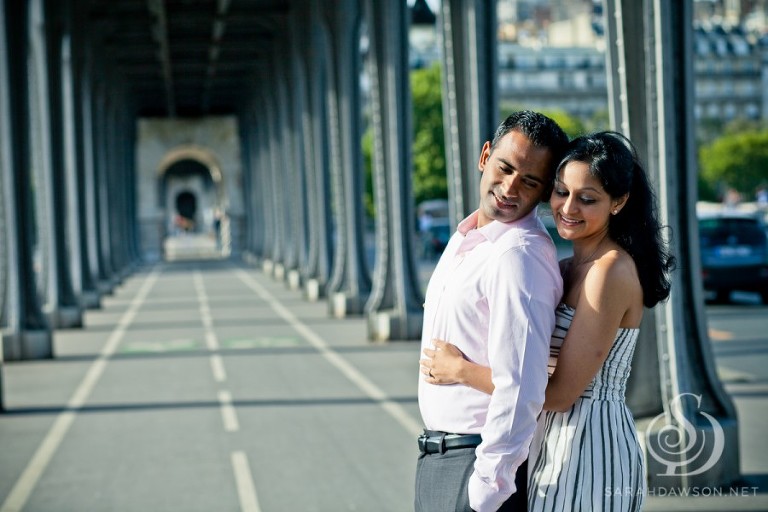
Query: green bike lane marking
[262,342]
[184,344]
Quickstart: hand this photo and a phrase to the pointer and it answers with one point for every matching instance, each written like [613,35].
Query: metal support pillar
[101,212]
[686,421]
[264,175]
[276,263]
[62,306]
[246,128]
[69,132]
[394,306]
[131,192]
[470,97]
[89,207]
[7,200]
[285,154]
[350,282]
[123,143]
[316,155]
[25,332]
[295,106]
[114,180]
[266,179]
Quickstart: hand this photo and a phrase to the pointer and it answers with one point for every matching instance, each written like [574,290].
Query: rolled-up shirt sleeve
[522,290]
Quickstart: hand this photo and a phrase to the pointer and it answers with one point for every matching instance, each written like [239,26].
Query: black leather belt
[432,441]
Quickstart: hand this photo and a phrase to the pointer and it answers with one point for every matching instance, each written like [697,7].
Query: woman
[585,454]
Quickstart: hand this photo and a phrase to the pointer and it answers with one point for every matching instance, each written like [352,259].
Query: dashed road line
[246,491]
[211,341]
[217,367]
[347,369]
[228,413]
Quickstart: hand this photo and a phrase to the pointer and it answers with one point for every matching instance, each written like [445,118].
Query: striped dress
[588,458]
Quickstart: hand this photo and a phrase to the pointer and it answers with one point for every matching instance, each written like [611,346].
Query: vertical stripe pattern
[588,458]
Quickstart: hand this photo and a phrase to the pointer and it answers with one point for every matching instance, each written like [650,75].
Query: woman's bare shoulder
[614,273]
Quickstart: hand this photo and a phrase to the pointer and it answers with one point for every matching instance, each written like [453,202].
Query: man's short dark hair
[540,129]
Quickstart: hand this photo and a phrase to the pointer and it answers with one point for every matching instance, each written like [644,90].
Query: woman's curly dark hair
[613,160]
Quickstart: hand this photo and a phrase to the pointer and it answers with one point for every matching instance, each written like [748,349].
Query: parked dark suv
[734,253]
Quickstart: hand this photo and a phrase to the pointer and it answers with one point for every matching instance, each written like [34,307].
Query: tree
[429,173]
[737,160]
[572,126]
[428,158]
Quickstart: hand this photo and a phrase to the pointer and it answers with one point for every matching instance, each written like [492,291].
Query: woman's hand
[445,364]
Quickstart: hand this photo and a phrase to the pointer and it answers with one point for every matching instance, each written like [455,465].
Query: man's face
[515,176]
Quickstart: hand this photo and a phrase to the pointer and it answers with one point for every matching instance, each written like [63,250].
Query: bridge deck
[204,385]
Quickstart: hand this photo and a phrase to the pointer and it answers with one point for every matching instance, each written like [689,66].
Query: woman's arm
[446,364]
[603,301]
[609,290]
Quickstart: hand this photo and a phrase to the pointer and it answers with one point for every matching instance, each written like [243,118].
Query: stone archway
[190,193]
[201,155]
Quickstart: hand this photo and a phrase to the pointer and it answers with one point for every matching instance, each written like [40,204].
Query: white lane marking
[228,413]
[211,341]
[217,367]
[365,385]
[23,487]
[249,502]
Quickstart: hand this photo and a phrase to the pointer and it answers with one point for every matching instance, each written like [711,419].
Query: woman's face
[580,205]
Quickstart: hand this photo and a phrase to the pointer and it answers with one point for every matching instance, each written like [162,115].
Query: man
[493,294]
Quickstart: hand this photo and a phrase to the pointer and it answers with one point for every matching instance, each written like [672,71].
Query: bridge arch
[190,189]
[201,156]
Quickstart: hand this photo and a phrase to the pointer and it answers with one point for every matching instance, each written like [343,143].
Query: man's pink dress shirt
[493,294]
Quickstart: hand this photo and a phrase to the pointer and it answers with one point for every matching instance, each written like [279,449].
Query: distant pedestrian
[731,199]
[761,197]
[217,218]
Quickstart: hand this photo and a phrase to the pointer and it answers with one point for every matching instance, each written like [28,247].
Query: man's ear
[484,155]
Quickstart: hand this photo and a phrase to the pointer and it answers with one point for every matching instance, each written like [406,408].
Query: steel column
[285,156]
[246,128]
[651,95]
[90,197]
[63,307]
[350,284]
[394,307]
[470,102]
[48,193]
[265,174]
[316,155]
[298,135]
[277,176]
[25,333]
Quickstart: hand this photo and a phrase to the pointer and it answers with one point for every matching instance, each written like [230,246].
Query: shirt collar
[494,229]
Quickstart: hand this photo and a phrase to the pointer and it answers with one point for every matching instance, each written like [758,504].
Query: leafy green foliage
[572,126]
[429,171]
[429,180]
[738,160]
[367,149]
